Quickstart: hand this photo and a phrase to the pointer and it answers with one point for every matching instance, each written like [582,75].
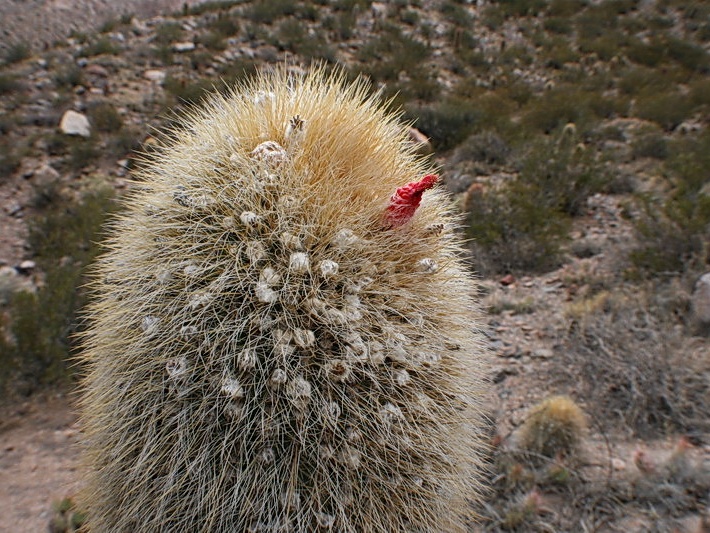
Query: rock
[157,76]
[187,46]
[96,70]
[420,141]
[74,123]
[45,174]
[14,209]
[700,301]
[618,464]
[507,280]
[542,353]
[26,267]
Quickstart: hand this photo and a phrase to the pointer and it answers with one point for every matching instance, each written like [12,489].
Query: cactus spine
[272,347]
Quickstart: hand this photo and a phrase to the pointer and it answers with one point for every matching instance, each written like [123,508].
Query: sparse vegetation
[104,117]
[35,348]
[101,46]
[574,133]
[17,52]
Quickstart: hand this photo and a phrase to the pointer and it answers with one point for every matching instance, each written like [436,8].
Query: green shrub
[605,46]
[564,171]
[268,11]
[455,13]
[517,54]
[83,152]
[565,8]
[208,6]
[79,37]
[446,123]
[555,108]
[9,160]
[592,25]
[212,41]
[125,142]
[652,144]
[667,110]
[647,54]
[293,35]
[351,5]
[700,92]
[17,52]
[168,32]
[9,84]
[42,323]
[687,54]
[410,17]
[511,229]
[104,117]
[521,8]
[559,53]
[69,76]
[559,25]
[642,80]
[486,147]
[493,17]
[390,53]
[225,25]
[164,54]
[186,91]
[103,46]
[522,223]
[674,233]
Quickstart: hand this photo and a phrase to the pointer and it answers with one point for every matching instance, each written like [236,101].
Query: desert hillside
[574,136]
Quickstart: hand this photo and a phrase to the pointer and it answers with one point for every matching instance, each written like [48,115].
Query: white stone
[157,76]
[74,123]
[187,46]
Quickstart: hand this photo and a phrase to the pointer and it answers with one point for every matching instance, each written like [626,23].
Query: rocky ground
[41,23]
[627,349]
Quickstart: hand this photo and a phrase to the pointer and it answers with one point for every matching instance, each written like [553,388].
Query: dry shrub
[634,367]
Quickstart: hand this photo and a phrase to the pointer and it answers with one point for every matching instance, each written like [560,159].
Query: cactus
[283,335]
[555,428]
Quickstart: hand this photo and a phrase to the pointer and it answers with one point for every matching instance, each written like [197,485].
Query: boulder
[74,123]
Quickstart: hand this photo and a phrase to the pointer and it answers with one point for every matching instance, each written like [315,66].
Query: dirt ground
[38,460]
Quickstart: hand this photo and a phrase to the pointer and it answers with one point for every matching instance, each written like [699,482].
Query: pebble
[155,75]
[542,353]
[187,46]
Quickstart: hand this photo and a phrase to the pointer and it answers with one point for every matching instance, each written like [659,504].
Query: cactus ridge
[264,352]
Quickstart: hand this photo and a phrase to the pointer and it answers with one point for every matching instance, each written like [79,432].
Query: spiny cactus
[279,342]
[555,428]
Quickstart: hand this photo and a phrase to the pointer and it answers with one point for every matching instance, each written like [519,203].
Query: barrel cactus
[283,336]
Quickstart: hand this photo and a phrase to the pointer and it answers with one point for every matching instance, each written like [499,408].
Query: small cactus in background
[283,336]
[554,428]
[65,517]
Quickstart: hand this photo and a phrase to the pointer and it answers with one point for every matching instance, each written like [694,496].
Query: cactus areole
[283,336]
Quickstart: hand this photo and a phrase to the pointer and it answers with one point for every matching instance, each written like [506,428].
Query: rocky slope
[573,133]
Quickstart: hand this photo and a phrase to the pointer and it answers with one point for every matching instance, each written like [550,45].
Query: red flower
[405,200]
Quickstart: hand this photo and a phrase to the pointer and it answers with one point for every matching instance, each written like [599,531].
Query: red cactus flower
[405,201]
